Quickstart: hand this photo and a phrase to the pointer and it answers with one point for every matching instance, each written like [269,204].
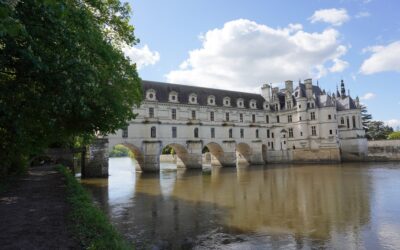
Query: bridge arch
[181,153]
[217,154]
[138,154]
[243,154]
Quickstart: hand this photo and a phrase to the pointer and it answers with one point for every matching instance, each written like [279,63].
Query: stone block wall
[384,150]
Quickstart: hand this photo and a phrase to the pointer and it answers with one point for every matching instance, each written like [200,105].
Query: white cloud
[383,58]
[368,96]
[141,56]
[333,16]
[362,14]
[394,123]
[338,65]
[244,54]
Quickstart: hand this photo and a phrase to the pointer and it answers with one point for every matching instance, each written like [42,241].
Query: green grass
[88,223]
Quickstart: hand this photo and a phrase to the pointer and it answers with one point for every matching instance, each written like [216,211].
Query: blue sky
[242,44]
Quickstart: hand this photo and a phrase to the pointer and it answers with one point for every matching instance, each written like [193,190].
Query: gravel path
[33,212]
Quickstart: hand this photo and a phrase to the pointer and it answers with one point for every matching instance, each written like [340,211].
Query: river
[338,206]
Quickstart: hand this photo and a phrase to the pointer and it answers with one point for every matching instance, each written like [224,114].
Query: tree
[394,136]
[365,117]
[63,74]
[377,130]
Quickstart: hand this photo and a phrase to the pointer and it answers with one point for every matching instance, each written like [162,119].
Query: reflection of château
[300,124]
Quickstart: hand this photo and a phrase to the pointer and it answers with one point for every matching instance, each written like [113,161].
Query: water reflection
[332,206]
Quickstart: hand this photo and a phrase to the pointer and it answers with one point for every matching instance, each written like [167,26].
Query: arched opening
[173,156]
[264,153]
[213,154]
[243,153]
[127,156]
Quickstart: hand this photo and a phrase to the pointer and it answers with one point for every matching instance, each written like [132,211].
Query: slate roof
[163,90]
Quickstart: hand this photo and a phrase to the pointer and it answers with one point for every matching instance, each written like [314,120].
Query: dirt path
[33,213]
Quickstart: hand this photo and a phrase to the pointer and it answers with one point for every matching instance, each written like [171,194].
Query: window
[330,131]
[289,105]
[125,132]
[153,133]
[193,114]
[272,135]
[174,132]
[211,100]
[253,118]
[329,117]
[173,96]
[151,112]
[334,116]
[301,133]
[299,118]
[308,105]
[267,119]
[241,133]
[268,133]
[289,118]
[313,131]
[341,120]
[173,114]
[212,116]
[230,133]
[312,105]
[196,133]
[227,101]
[257,133]
[290,132]
[151,94]
[354,121]
[240,102]
[299,106]
[212,132]
[276,107]
[241,117]
[272,145]
[227,117]
[312,115]
[277,118]
[348,122]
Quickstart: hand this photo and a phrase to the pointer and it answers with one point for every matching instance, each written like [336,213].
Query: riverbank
[48,209]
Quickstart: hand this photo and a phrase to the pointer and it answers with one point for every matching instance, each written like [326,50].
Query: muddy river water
[341,206]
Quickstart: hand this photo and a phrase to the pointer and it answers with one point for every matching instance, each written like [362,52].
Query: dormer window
[253,104]
[240,103]
[266,106]
[211,100]
[227,101]
[151,95]
[193,98]
[173,96]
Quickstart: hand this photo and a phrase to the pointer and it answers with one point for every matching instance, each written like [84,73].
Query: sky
[240,45]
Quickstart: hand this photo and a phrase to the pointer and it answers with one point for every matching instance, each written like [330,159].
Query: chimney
[266,92]
[289,86]
[309,91]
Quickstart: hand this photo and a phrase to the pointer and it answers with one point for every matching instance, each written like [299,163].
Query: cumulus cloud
[141,56]
[383,58]
[333,16]
[394,123]
[368,96]
[244,54]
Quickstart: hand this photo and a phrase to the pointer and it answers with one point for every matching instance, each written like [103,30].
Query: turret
[342,89]
[309,92]
[357,102]
[266,92]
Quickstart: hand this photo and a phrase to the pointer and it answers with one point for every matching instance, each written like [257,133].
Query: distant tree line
[377,130]
[63,75]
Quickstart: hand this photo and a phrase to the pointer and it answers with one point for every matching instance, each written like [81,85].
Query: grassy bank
[89,224]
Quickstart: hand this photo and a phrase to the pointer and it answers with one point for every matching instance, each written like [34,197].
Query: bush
[394,135]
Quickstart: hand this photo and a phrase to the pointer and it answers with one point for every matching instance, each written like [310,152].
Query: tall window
[341,120]
[272,135]
[330,131]
[257,133]
[253,118]
[230,133]
[153,132]
[348,122]
[329,117]
[289,105]
[173,114]
[313,131]
[289,118]
[212,116]
[151,112]
[241,117]
[227,117]
[174,132]
[276,107]
[125,132]
[277,119]
[290,132]
[267,119]
[196,133]
[268,133]
[212,132]
[193,114]
[272,145]
[312,115]
[354,121]
[241,133]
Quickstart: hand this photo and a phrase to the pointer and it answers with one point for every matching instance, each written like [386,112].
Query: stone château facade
[294,124]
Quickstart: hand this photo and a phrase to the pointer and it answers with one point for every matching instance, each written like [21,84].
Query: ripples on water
[348,206]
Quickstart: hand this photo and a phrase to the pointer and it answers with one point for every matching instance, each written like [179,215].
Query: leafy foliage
[377,130]
[168,150]
[63,75]
[121,151]
[394,135]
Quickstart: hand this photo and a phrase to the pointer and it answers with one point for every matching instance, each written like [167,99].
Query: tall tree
[62,73]
[377,130]
[365,117]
